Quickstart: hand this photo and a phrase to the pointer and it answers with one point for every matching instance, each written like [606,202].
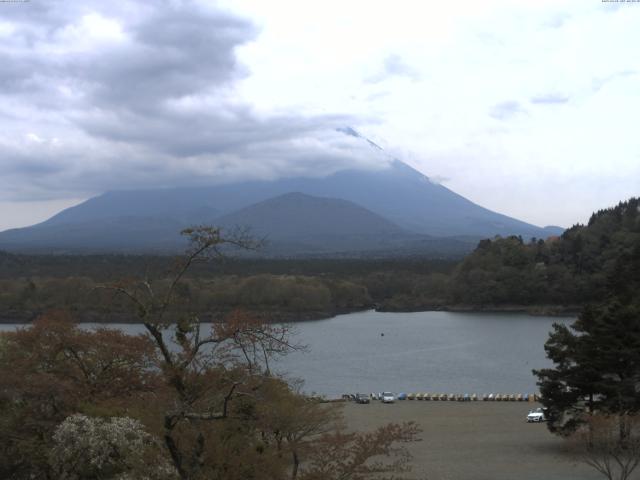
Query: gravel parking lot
[475,441]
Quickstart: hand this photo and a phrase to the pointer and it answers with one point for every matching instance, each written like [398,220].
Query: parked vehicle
[388,397]
[536,416]
[362,398]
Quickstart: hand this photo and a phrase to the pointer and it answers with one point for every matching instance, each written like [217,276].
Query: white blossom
[117,448]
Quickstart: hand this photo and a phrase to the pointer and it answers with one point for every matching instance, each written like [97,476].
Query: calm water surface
[422,352]
[416,352]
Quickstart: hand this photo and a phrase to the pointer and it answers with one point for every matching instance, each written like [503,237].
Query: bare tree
[205,368]
[221,412]
[600,445]
[380,454]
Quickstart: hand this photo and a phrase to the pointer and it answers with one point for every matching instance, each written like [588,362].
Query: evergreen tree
[597,358]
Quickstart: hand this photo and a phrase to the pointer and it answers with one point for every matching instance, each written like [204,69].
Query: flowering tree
[117,448]
[54,369]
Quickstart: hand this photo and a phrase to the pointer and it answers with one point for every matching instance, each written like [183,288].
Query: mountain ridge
[411,200]
[397,194]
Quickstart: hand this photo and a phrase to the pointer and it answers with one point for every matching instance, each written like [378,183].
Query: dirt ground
[475,441]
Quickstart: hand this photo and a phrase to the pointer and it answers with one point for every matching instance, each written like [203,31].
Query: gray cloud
[506,110]
[394,66]
[353,133]
[108,95]
[173,53]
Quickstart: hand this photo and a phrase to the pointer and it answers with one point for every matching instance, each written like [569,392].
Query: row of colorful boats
[466,397]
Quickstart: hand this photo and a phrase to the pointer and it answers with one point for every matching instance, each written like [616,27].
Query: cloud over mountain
[505,99]
[108,95]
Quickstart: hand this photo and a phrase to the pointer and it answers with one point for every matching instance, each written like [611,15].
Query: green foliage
[597,359]
[570,270]
[597,366]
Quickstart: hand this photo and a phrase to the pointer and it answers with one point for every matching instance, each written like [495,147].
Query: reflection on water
[421,352]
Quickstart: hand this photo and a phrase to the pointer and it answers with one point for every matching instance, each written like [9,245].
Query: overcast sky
[528,108]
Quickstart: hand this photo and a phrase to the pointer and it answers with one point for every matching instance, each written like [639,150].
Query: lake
[416,352]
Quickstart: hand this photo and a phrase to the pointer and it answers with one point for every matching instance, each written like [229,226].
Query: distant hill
[292,224]
[399,193]
[112,234]
[418,214]
[299,222]
[296,223]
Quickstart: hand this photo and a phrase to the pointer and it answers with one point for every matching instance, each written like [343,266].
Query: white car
[388,397]
[536,415]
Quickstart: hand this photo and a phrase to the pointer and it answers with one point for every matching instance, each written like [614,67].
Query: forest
[552,275]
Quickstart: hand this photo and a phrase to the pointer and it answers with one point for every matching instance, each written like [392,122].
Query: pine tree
[597,358]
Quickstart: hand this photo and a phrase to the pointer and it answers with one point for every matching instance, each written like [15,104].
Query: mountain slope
[296,222]
[148,219]
[113,234]
[293,224]
[299,215]
[399,193]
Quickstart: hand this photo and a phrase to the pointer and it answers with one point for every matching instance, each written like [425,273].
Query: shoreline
[533,310]
[25,318]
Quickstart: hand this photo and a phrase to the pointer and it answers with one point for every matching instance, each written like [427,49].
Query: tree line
[552,274]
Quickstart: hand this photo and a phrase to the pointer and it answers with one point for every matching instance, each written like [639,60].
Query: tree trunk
[296,465]
[176,457]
